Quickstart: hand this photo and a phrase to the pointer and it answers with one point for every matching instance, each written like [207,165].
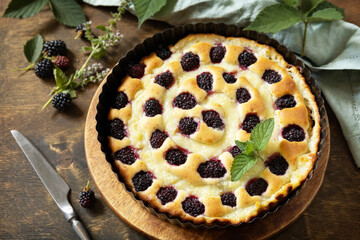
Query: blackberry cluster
[211,169]
[228,199]
[256,186]
[242,95]
[191,205]
[87,197]
[190,61]
[293,133]
[175,157]
[166,195]
[142,181]
[136,70]
[217,53]
[246,59]
[126,155]
[157,138]
[205,81]
[187,125]
[163,52]
[165,79]
[185,101]
[62,62]
[277,164]
[229,78]
[212,119]
[54,48]
[80,30]
[121,100]
[271,76]
[235,151]
[286,101]
[61,101]
[44,68]
[117,129]
[251,120]
[152,108]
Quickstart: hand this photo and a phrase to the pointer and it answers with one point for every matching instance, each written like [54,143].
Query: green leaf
[241,164]
[261,133]
[72,92]
[24,9]
[101,27]
[33,48]
[308,5]
[60,77]
[250,148]
[328,14]
[275,18]
[147,8]
[241,145]
[291,3]
[98,53]
[86,48]
[67,12]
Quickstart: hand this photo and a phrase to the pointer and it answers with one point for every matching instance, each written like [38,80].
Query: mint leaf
[250,148]
[241,164]
[308,5]
[275,18]
[261,133]
[291,3]
[72,92]
[328,14]
[33,48]
[67,12]
[60,77]
[24,9]
[147,8]
[240,145]
[101,27]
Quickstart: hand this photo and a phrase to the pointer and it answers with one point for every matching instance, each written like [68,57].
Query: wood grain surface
[26,209]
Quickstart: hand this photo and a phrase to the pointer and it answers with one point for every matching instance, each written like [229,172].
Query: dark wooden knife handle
[79,229]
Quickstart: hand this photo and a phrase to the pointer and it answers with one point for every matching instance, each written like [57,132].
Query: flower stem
[304,40]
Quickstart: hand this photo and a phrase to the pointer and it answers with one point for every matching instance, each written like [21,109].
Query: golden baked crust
[209,143]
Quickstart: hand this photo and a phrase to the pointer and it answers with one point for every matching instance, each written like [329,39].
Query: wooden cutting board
[131,211]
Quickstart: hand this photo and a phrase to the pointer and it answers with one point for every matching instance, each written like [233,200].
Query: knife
[53,182]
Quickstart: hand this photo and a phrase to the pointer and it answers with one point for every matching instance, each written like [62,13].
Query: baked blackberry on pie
[176,115]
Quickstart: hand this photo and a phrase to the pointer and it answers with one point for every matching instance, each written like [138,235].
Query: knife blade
[53,182]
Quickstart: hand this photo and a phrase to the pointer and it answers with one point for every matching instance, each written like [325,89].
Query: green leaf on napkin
[291,3]
[67,12]
[147,8]
[24,9]
[308,5]
[33,48]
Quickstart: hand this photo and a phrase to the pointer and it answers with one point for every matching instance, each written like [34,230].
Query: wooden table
[26,209]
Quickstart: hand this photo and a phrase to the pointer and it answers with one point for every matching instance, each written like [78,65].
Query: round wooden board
[131,211]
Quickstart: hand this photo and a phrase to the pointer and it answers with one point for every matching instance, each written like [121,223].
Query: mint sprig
[287,13]
[250,150]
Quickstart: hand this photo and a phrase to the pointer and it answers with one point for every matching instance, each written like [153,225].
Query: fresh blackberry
[87,197]
[175,156]
[217,53]
[142,181]
[277,164]
[136,70]
[205,81]
[246,59]
[235,150]
[228,199]
[286,101]
[126,155]
[152,107]
[166,194]
[80,31]
[121,100]
[62,62]
[187,125]
[165,79]
[54,48]
[293,133]
[242,95]
[212,119]
[256,186]
[229,78]
[163,52]
[44,68]
[61,101]
[117,129]
[184,101]
[157,138]
[250,121]
[190,61]
[191,205]
[271,76]
[211,169]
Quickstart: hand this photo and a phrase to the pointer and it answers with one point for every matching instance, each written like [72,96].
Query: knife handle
[79,229]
